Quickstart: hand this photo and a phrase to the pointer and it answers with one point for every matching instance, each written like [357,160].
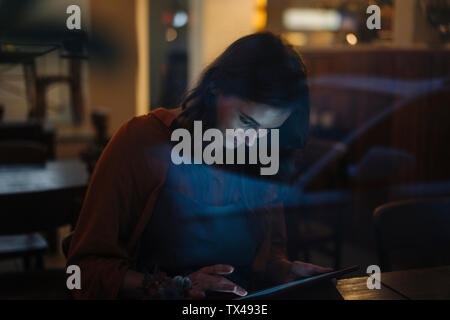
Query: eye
[244,120]
[247,122]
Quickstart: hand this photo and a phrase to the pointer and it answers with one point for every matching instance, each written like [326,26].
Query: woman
[215,228]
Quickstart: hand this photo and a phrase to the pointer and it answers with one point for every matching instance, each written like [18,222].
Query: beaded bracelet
[159,286]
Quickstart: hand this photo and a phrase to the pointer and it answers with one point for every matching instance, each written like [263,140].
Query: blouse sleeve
[114,197]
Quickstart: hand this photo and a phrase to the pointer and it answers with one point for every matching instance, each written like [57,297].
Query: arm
[279,269]
[278,266]
[131,285]
[120,188]
[108,218]
[194,286]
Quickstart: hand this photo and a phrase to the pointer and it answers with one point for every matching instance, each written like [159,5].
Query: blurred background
[380,118]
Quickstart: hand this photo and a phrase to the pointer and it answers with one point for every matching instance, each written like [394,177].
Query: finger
[313,269]
[319,269]
[218,269]
[307,269]
[221,284]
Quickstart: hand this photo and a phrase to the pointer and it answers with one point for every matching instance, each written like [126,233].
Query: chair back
[15,136]
[22,152]
[413,234]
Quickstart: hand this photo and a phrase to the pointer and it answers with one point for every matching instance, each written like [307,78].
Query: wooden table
[420,284]
[37,197]
[51,176]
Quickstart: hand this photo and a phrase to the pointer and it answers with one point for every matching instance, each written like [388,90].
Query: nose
[251,138]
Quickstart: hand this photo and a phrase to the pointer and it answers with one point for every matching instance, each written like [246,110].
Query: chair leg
[26,263]
[337,253]
[52,236]
[39,262]
[338,241]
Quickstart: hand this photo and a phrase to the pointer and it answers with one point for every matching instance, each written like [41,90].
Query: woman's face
[235,113]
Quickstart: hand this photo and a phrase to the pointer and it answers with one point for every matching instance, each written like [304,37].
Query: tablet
[300,283]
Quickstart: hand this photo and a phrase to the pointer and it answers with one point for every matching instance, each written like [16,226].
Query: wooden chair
[314,217]
[413,234]
[23,152]
[26,246]
[18,151]
[29,132]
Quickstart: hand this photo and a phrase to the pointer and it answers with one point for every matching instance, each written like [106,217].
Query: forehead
[267,116]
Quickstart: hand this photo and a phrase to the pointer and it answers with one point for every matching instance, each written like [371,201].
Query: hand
[301,269]
[211,279]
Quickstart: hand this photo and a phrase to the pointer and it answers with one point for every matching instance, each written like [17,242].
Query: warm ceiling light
[312,19]
[351,39]
[297,39]
[180,19]
[171,34]
[259,20]
[261,3]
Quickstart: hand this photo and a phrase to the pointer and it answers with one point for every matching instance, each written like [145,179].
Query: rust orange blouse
[120,200]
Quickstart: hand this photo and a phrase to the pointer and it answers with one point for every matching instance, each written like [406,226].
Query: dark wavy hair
[260,68]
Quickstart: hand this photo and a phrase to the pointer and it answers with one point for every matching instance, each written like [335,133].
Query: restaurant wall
[411,26]
[214,26]
[113,86]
